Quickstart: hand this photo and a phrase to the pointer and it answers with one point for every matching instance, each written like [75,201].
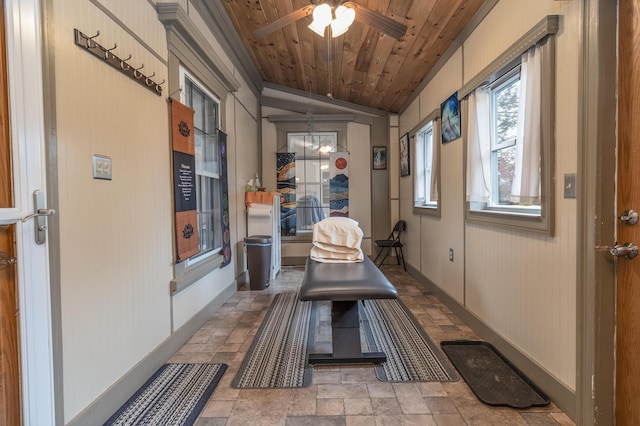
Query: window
[424,167]
[425,141]
[206,123]
[312,175]
[505,102]
[509,140]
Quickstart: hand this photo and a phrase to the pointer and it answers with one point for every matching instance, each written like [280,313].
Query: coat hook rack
[90,45]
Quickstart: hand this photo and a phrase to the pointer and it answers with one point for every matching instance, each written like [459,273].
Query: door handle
[41,213]
[628,250]
[630,217]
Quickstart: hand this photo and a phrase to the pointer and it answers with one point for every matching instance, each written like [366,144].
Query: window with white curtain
[509,143]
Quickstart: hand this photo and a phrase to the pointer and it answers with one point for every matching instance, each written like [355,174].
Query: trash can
[259,260]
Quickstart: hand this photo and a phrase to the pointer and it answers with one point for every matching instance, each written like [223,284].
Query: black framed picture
[405,158]
[379,158]
[450,118]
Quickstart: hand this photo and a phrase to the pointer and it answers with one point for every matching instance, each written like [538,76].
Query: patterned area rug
[411,355]
[277,357]
[174,395]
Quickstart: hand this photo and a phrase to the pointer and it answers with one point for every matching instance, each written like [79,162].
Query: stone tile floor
[351,395]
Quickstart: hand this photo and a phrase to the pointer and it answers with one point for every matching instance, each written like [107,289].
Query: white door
[26,134]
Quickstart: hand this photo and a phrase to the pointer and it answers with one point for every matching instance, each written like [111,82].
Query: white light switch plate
[101,167]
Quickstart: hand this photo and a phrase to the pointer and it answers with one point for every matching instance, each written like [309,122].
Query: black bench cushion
[345,281]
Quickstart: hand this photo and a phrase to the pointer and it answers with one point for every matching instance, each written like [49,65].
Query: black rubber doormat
[491,377]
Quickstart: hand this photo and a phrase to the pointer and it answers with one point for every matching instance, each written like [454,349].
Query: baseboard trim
[294,261]
[108,403]
[561,395]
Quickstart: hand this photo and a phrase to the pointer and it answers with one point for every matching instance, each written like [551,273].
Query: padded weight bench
[344,284]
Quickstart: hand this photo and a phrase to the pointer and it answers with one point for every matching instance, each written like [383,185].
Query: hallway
[342,395]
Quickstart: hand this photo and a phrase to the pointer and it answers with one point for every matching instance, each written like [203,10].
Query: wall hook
[88,44]
[107,52]
[148,81]
[137,74]
[123,63]
[108,57]
[159,86]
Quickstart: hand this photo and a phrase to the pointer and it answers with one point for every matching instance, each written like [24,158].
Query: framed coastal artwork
[450,118]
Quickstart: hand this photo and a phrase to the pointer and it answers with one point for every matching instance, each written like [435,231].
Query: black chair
[392,242]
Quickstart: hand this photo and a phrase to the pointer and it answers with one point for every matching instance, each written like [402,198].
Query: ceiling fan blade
[284,21]
[380,22]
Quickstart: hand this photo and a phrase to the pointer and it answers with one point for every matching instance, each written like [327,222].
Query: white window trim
[431,209]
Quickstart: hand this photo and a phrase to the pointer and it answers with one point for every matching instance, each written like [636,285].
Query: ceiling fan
[363,15]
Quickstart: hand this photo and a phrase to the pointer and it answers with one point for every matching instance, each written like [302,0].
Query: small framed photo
[450,118]
[405,157]
[379,158]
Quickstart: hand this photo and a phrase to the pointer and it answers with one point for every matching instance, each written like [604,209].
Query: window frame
[199,173]
[322,158]
[522,219]
[427,209]
[188,47]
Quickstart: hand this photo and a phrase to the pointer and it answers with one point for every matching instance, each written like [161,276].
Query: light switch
[570,185]
[101,167]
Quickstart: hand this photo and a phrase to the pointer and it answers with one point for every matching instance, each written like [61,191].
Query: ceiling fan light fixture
[316,28]
[322,14]
[344,19]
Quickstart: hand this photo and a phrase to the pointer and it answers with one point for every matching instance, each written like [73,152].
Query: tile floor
[342,395]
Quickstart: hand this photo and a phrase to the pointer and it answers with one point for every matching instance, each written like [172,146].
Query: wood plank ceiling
[363,66]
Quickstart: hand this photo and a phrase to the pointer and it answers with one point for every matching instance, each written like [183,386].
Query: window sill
[427,210]
[515,219]
[184,276]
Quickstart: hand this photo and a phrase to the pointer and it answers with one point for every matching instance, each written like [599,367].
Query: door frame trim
[595,303]
[24,70]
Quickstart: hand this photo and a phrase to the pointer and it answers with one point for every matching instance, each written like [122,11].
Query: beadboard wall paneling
[411,239]
[115,236]
[521,285]
[438,235]
[134,16]
[358,137]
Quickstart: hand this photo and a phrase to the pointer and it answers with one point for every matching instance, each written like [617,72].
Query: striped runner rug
[412,356]
[174,395]
[277,357]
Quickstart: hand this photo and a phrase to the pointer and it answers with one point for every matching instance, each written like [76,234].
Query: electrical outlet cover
[101,167]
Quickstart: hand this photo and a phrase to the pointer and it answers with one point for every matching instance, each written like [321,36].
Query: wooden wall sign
[184,180]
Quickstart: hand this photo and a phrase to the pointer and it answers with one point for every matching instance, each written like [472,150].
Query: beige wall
[116,237]
[522,286]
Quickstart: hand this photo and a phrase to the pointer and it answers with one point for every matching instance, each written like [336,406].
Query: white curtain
[420,175]
[435,164]
[479,146]
[526,180]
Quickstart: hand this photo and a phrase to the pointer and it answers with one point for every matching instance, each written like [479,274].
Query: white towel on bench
[337,240]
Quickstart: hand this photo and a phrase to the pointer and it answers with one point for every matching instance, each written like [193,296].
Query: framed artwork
[450,118]
[379,158]
[405,158]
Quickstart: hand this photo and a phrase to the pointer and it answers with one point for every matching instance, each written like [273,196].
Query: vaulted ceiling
[364,66]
